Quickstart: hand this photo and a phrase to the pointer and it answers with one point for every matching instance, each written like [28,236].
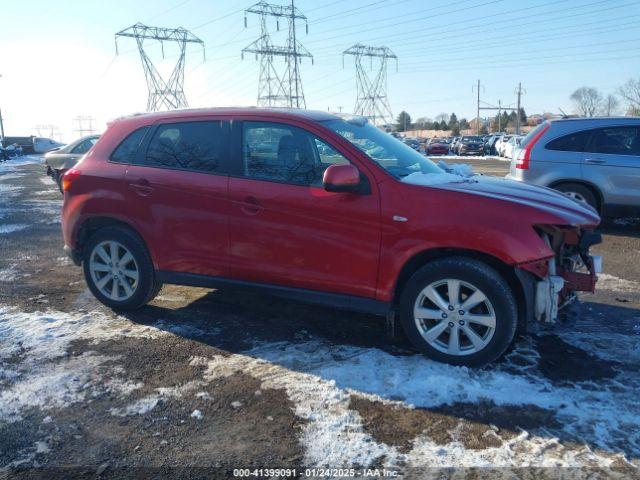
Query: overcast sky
[58,59]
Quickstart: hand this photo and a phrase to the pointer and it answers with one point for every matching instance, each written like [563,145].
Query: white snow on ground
[611,282]
[46,376]
[12,227]
[318,379]
[9,274]
[457,158]
[20,161]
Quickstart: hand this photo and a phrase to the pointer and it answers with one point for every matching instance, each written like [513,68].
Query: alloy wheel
[114,270]
[454,317]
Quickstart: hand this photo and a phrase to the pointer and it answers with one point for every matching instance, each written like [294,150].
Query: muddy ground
[202,382]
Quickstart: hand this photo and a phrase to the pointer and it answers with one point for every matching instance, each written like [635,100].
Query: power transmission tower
[372,101]
[54,131]
[84,125]
[163,94]
[274,89]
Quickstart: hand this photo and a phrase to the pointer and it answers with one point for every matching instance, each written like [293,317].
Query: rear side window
[616,141]
[85,146]
[573,142]
[196,146]
[126,151]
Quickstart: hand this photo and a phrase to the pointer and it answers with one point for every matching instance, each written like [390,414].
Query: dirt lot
[203,381]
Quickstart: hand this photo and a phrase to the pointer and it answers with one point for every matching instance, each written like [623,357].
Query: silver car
[594,160]
[60,160]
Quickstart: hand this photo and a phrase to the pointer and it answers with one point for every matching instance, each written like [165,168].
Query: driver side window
[284,153]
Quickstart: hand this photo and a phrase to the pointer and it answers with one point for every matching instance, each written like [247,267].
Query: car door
[177,192]
[612,162]
[284,228]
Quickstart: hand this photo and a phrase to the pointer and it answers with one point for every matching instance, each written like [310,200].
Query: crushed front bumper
[560,277]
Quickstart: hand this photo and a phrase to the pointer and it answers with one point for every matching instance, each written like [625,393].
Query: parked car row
[501,144]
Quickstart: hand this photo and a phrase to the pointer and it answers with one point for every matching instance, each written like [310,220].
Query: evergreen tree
[403,122]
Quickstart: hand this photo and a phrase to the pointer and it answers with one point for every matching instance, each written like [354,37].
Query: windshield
[471,139]
[391,154]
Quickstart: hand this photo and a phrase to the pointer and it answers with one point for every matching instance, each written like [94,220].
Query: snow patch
[9,274]
[611,282]
[319,378]
[38,339]
[432,179]
[12,227]
[197,414]
[463,169]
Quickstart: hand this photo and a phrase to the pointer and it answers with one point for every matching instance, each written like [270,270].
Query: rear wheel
[579,192]
[118,269]
[459,311]
[57,177]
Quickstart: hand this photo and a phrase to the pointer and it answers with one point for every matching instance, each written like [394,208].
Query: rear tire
[454,328]
[580,193]
[118,269]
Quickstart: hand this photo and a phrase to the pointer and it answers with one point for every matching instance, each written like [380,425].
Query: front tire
[459,311]
[118,269]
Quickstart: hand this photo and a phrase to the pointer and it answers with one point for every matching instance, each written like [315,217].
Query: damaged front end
[570,269]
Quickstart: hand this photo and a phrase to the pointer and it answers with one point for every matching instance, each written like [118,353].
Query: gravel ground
[204,381]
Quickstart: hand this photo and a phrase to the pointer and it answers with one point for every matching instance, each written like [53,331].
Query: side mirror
[341,178]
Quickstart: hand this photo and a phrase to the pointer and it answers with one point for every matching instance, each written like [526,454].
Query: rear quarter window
[126,151]
[572,142]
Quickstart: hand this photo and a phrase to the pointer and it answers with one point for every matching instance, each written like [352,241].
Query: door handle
[250,205]
[596,161]
[141,187]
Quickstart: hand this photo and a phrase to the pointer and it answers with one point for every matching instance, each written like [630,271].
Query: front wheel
[459,311]
[118,269]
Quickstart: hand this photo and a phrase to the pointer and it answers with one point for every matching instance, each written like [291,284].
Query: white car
[511,147]
[44,145]
[502,143]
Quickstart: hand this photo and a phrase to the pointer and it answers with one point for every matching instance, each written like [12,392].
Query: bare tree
[588,101]
[630,91]
[610,105]
[442,117]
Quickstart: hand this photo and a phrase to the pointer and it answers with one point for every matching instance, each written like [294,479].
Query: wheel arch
[507,272]
[585,183]
[92,224]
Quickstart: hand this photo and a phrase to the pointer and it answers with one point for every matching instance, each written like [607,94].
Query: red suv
[327,209]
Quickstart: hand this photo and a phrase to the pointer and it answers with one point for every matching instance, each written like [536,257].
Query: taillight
[68,178]
[524,156]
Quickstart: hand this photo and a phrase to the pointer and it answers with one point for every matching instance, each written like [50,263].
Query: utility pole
[498,108]
[1,126]
[478,111]
[519,93]
[1,129]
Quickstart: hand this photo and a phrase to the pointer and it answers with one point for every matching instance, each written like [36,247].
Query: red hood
[541,198]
